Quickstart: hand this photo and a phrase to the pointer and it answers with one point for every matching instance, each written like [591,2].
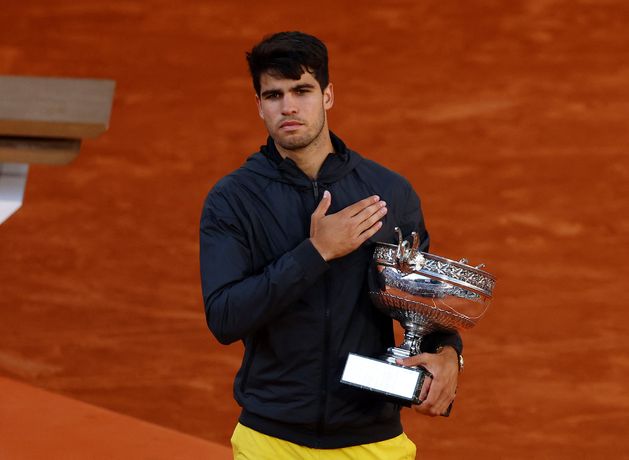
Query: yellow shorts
[249,444]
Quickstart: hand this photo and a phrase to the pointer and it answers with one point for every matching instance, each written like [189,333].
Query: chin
[294,143]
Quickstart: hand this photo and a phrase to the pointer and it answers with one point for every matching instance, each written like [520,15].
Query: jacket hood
[269,163]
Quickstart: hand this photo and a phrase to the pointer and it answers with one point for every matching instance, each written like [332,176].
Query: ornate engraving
[429,264]
[427,315]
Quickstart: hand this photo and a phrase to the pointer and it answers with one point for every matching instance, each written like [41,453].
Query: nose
[289,104]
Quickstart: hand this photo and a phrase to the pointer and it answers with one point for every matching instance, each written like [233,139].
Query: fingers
[421,359]
[323,205]
[370,215]
[367,214]
[425,388]
[435,397]
[439,387]
[439,404]
[357,207]
[363,217]
[365,235]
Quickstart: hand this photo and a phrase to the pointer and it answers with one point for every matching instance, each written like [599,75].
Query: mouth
[290,125]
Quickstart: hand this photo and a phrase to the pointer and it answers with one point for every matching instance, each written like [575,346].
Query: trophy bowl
[426,292]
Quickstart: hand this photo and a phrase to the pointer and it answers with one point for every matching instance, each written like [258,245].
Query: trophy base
[401,383]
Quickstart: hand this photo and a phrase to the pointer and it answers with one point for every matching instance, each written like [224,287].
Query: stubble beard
[303,141]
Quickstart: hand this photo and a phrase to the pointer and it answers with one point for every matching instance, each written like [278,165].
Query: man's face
[294,111]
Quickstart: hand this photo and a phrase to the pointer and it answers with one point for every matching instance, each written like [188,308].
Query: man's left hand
[436,393]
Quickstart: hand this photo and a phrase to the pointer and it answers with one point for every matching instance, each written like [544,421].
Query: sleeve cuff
[311,262]
[441,339]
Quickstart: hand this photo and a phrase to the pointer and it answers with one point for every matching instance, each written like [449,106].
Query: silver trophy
[425,293]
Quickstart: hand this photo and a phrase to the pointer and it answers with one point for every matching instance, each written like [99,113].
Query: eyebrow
[293,88]
[303,86]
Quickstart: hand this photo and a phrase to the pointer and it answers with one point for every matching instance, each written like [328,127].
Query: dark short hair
[289,55]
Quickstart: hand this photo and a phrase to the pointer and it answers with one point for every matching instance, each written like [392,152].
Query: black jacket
[264,283]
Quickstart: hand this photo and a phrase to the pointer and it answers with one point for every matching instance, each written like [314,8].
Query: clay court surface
[510,119]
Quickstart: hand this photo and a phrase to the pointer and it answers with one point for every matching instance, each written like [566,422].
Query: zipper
[323,395]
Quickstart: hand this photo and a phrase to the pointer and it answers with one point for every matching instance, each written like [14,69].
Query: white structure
[12,183]
[43,120]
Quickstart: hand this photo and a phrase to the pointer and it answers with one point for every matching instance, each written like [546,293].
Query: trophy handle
[416,241]
[402,244]
[408,259]
[400,254]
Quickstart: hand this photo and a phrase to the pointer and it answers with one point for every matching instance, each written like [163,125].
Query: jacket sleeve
[413,220]
[238,300]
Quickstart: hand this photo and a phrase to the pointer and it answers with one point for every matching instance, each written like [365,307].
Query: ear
[328,97]
[258,104]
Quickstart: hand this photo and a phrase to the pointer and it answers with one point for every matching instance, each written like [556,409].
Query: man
[286,243]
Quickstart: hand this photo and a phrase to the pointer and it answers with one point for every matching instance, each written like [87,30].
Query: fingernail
[326,194]
[376,198]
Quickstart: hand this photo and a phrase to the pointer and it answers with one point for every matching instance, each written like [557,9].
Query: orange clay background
[509,117]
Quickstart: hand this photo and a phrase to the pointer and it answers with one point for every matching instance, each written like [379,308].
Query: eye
[273,95]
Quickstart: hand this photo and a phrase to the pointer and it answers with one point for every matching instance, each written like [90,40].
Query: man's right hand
[336,235]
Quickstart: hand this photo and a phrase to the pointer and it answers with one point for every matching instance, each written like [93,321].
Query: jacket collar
[336,165]
[271,152]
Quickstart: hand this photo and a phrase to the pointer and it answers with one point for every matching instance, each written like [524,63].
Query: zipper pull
[315,190]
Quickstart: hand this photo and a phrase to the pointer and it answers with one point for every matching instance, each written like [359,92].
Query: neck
[310,158]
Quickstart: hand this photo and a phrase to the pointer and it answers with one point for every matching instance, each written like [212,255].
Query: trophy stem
[413,334]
